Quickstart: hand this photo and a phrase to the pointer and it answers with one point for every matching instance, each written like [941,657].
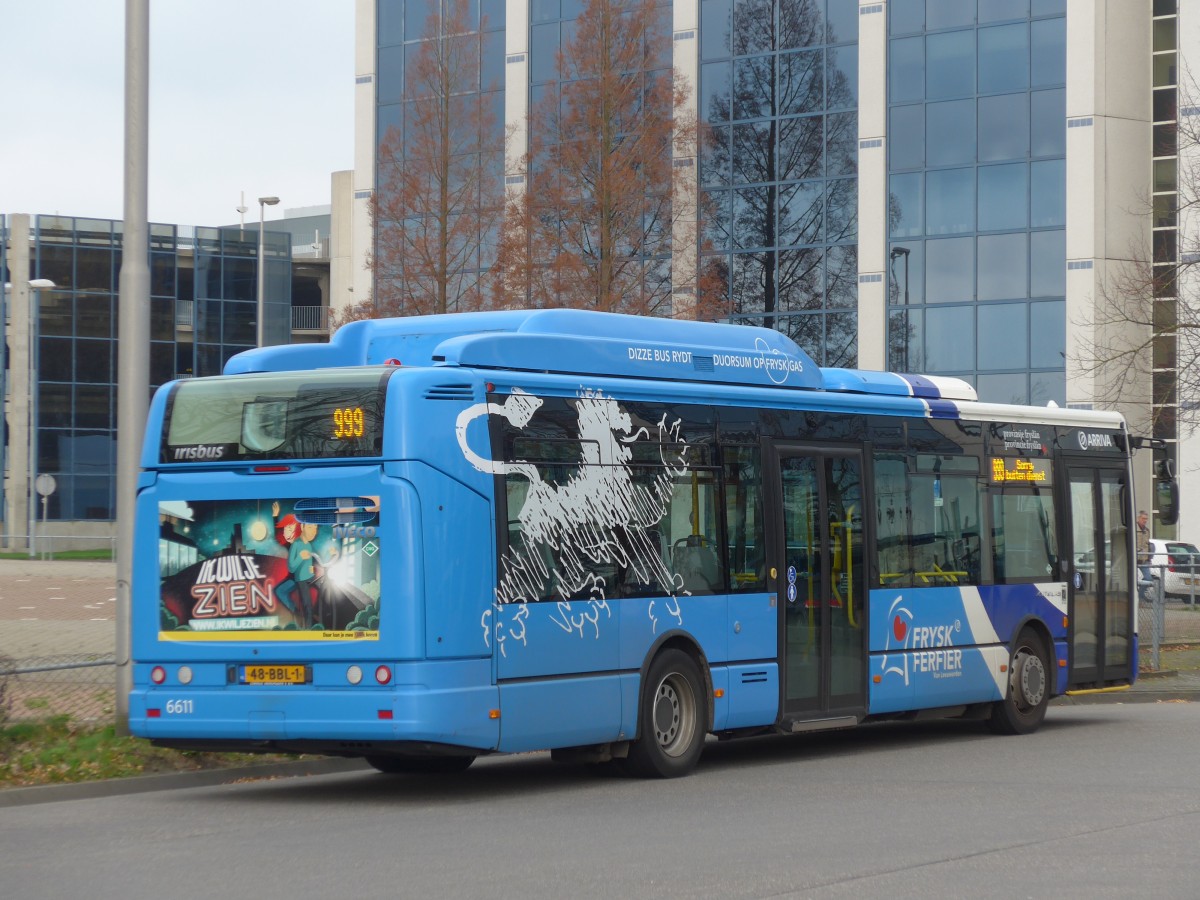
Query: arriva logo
[933,646]
[1090,440]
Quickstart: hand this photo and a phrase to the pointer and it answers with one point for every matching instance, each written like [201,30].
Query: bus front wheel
[672,718]
[1024,707]
[417,765]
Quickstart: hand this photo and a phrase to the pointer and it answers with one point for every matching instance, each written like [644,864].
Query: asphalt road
[1102,802]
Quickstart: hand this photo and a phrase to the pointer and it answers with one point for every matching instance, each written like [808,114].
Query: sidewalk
[55,608]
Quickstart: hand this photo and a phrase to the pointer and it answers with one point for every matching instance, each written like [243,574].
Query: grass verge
[58,750]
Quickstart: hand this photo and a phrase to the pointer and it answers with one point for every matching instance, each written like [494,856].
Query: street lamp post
[263,203]
[36,285]
[904,252]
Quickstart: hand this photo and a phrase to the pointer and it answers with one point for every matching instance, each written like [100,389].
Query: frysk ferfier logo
[932,646]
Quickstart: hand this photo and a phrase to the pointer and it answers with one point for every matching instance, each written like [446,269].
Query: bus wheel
[672,718]
[1024,708]
[416,765]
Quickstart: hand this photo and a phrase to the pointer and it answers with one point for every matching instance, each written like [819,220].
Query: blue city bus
[435,538]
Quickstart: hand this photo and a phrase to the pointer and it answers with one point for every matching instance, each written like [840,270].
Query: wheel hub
[1031,676]
[666,715]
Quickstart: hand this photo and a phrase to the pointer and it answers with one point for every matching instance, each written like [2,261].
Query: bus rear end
[278,590]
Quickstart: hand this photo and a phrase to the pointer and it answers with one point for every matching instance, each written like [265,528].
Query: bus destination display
[1020,471]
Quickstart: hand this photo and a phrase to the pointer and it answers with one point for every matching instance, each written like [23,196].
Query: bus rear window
[292,415]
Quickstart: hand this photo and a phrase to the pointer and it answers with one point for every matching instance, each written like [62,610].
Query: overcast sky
[245,95]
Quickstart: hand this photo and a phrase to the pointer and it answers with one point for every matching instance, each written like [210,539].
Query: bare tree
[1142,336]
[438,200]
[593,227]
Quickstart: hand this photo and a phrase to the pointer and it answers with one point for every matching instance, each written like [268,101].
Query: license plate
[281,674]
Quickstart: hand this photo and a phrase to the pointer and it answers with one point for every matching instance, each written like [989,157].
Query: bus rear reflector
[153,713]
[385,714]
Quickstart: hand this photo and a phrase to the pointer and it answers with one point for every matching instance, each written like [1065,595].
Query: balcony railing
[310,318]
[304,318]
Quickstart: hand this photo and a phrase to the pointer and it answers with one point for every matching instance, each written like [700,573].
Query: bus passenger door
[1102,572]
[817,559]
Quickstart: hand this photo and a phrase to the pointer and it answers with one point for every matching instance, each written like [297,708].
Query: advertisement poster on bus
[286,569]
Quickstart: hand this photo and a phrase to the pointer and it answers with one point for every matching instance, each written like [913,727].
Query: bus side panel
[564,712]
[458,531]
[935,647]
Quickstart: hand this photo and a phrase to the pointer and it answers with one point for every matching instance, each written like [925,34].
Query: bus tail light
[158,674]
[383,674]
[185,675]
[354,674]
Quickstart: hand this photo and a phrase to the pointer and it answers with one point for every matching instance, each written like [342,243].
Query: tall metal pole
[133,353]
[261,312]
[33,417]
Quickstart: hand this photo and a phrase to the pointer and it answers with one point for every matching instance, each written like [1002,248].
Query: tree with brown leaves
[593,226]
[439,195]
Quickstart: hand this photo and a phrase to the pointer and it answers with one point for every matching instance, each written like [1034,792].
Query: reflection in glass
[1003,267]
[1002,197]
[950,270]
[906,137]
[841,276]
[948,13]
[1049,51]
[949,338]
[950,64]
[950,201]
[841,222]
[801,213]
[906,69]
[906,205]
[1048,193]
[1002,10]
[1004,127]
[1003,388]
[1047,334]
[715,18]
[1004,58]
[1047,264]
[1048,123]
[950,133]
[801,86]
[800,279]
[800,144]
[1003,336]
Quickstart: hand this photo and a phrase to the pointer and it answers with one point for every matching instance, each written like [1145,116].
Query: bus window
[927,522]
[745,551]
[1024,547]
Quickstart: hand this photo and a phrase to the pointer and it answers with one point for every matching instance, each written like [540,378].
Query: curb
[140,784]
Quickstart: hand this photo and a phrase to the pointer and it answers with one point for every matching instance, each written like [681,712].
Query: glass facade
[977,194]
[406,163]
[778,98]
[75,332]
[225,291]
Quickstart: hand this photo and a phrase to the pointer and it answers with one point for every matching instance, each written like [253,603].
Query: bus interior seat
[694,559]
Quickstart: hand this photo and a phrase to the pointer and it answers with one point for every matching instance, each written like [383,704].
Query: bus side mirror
[1166,494]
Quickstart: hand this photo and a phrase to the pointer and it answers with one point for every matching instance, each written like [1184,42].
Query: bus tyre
[672,718]
[1024,708]
[420,765]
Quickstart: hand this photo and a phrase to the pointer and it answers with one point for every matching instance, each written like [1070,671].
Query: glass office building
[944,186]
[62,353]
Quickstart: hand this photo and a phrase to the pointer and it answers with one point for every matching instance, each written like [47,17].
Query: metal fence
[1168,609]
[38,688]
